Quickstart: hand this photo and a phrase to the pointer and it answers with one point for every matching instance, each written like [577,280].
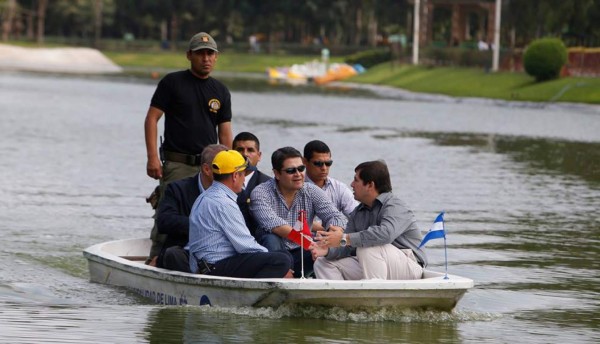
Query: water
[520,186]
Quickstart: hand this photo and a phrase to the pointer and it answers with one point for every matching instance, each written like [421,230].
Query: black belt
[188,159]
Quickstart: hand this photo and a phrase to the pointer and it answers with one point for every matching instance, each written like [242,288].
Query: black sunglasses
[321,163]
[293,170]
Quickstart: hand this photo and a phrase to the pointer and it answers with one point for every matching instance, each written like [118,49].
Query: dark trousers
[254,265]
[298,257]
[274,243]
[174,258]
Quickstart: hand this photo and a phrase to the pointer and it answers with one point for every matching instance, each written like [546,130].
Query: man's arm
[170,217]
[153,166]
[347,201]
[225,134]
[264,212]
[324,208]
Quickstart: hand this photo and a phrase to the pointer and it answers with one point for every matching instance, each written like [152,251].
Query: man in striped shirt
[220,243]
[275,205]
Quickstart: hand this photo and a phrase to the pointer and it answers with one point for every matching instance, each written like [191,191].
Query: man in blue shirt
[220,243]
[174,209]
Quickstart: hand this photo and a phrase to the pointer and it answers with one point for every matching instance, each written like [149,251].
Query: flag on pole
[437,231]
[301,231]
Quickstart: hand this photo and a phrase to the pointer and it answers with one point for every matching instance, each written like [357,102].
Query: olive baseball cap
[229,161]
[202,40]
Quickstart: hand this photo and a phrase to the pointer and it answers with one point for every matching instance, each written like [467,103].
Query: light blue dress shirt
[217,227]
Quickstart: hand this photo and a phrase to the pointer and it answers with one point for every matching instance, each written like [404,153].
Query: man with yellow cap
[220,243]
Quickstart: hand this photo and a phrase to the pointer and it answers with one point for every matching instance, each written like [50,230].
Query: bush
[544,58]
[369,58]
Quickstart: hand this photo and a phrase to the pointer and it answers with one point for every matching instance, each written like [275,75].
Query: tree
[41,20]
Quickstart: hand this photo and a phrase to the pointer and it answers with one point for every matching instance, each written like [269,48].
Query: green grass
[452,81]
[475,82]
[230,62]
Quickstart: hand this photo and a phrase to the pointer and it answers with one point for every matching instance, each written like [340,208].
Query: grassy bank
[473,82]
[453,81]
[230,62]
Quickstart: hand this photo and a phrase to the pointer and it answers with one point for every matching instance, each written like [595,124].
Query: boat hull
[119,263]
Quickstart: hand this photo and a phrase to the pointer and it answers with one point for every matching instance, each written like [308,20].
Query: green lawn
[453,81]
[474,82]
[230,62]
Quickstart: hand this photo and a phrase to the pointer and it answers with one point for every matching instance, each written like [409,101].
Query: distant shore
[56,60]
[408,82]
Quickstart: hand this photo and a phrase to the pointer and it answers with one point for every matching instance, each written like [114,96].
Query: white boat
[121,263]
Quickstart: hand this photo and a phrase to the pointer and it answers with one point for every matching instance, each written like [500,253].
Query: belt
[188,159]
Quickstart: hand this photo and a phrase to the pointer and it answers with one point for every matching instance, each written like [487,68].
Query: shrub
[369,58]
[544,58]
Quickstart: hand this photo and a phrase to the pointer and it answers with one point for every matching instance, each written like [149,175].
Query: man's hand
[318,251]
[153,168]
[332,237]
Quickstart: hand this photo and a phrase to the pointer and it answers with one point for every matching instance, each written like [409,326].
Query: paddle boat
[121,263]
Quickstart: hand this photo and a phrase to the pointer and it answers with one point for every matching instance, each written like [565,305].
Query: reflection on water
[580,159]
[212,325]
[520,187]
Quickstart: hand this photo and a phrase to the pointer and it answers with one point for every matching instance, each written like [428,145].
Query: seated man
[317,158]
[174,211]
[248,145]
[381,230]
[220,243]
[277,203]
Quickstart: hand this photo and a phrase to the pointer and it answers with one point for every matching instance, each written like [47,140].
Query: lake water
[520,185]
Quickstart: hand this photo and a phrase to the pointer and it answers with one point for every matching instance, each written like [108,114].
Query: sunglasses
[321,163]
[293,170]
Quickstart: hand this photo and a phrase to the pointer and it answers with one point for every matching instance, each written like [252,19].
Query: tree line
[363,23]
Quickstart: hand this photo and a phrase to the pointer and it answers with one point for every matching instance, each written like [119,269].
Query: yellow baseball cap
[229,161]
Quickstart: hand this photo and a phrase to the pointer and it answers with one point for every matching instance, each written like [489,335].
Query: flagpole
[446,257]
[302,219]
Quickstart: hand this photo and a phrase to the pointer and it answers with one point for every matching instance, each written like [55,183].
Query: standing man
[317,158]
[248,145]
[220,243]
[197,112]
[382,231]
[276,204]
[173,217]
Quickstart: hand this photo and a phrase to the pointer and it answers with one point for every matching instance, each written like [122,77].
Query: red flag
[301,231]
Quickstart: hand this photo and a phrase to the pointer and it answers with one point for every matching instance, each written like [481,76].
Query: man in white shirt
[317,159]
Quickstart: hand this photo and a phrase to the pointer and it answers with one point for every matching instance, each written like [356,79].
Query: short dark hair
[209,152]
[246,136]
[221,177]
[377,172]
[280,155]
[315,146]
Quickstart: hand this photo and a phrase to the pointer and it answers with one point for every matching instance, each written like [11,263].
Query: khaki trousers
[377,262]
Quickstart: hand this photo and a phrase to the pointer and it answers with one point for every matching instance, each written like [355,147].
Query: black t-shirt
[193,108]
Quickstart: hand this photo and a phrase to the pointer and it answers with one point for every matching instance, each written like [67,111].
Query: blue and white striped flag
[437,231]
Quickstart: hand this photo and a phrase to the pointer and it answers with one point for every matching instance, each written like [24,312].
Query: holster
[154,198]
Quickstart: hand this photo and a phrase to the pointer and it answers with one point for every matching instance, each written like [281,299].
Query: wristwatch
[344,240]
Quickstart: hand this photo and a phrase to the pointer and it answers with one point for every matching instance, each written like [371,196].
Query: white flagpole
[302,214]
[446,257]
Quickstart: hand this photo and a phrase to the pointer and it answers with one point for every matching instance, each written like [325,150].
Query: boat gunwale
[95,253]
